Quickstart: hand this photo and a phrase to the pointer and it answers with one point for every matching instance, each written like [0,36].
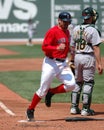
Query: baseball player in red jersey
[86,41]
[56,48]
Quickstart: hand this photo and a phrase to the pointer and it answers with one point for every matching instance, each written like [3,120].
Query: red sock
[58,89]
[36,99]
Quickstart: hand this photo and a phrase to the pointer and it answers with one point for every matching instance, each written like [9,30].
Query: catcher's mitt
[72,66]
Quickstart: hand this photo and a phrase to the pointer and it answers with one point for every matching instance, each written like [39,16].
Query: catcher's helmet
[90,12]
[65,16]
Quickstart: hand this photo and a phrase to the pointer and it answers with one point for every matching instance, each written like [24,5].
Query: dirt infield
[12,116]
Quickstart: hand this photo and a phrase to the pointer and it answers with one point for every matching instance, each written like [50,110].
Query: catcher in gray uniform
[85,53]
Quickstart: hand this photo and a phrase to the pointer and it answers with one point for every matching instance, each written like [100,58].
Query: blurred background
[14,16]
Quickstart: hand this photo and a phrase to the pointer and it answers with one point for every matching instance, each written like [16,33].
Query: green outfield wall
[14,15]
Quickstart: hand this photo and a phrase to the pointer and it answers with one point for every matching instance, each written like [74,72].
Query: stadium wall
[14,15]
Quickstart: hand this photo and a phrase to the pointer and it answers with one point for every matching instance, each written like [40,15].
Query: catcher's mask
[65,16]
[90,12]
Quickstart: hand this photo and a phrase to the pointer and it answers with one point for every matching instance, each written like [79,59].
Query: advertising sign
[14,15]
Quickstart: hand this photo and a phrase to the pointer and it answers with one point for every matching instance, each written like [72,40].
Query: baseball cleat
[30,114]
[48,99]
[87,112]
[75,110]
[29,44]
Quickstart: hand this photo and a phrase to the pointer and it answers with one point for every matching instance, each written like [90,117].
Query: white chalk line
[6,109]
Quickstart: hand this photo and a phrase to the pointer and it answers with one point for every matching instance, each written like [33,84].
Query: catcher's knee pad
[87,93]
[78,87]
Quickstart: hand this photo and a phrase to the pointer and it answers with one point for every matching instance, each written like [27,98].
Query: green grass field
[25,83]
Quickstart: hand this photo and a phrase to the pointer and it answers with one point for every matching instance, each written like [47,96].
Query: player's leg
[30,40]
[68,84]
[75,98]
[46,79]
[87,98]
[88,77]
[51,92]
[30,36]
[75,95]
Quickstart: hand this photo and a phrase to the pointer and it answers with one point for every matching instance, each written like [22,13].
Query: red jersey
[53,38]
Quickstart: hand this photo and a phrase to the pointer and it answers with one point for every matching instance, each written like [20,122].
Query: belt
[90,53]
[57,59]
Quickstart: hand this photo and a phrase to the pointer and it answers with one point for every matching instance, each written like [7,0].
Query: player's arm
[48,44]
[98,58]
[71,59]
[72,53]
